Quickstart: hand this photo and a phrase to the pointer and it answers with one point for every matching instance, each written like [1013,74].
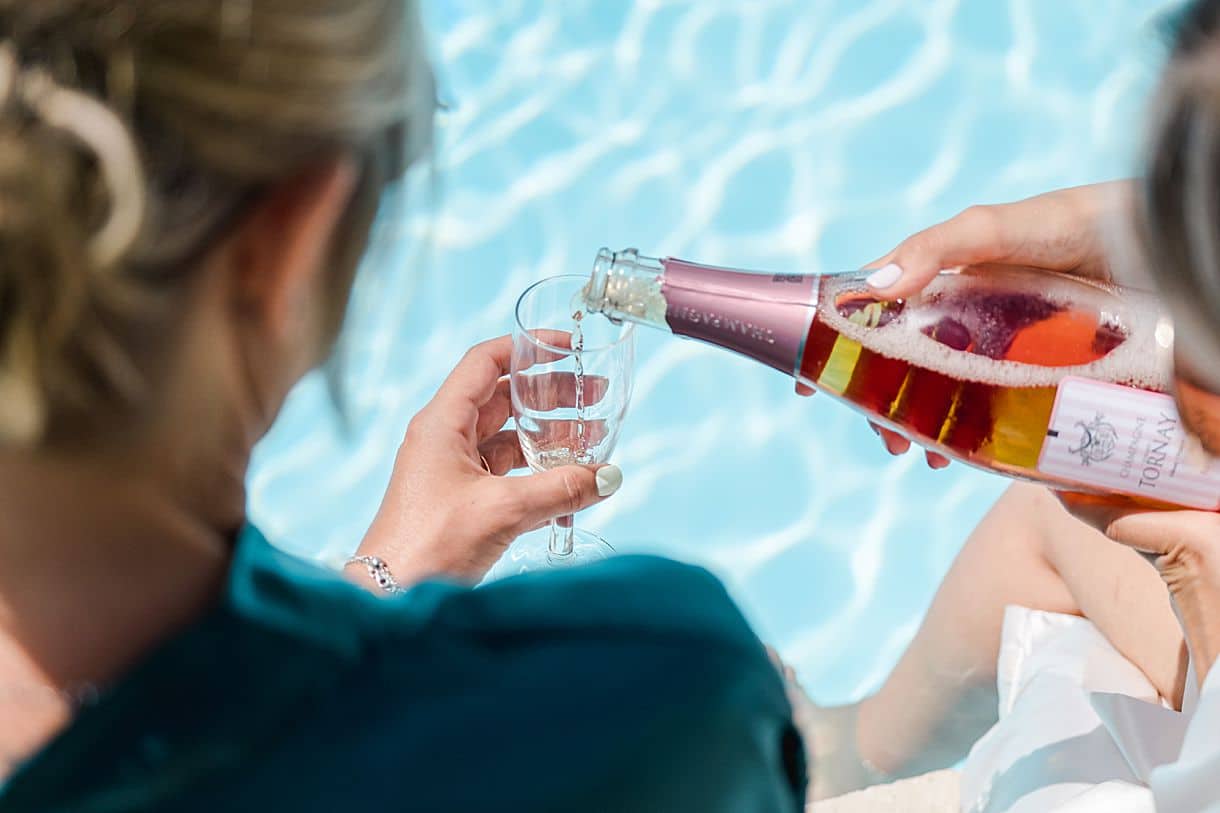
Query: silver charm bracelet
[379,572]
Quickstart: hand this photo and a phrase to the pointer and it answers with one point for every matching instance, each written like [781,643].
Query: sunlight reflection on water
[777,135]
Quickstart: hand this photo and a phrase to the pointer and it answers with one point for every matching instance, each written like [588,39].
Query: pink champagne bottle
[1032,374]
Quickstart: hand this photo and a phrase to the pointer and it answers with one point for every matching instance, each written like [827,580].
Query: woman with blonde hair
[186,187]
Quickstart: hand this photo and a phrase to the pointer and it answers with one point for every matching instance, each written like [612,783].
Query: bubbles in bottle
[1007,329]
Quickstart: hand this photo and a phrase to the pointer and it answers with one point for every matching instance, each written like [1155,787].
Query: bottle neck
[627,287]
[763,316]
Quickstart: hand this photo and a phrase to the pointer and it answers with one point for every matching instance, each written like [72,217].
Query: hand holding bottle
[1057,231]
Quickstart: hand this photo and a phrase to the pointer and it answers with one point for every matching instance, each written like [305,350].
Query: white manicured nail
[609,480]
[885,276]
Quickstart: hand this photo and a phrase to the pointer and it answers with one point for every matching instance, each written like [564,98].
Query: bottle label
[763,316]
[1129,441]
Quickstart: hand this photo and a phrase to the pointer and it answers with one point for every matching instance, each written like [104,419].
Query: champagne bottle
[1032,374]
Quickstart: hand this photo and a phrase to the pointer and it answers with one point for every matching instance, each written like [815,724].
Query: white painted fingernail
[609,480]
[885,276]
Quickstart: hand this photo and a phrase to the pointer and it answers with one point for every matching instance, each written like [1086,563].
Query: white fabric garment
[935,792]
[1081,730]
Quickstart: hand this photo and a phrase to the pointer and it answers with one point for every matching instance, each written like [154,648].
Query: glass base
[531,553]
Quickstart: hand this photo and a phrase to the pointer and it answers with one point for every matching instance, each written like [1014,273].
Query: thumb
[563,491]
[1146,532]
[1090,510]
[1149,532]
[1180,536]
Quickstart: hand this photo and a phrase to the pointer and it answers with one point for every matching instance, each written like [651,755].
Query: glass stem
[562,536]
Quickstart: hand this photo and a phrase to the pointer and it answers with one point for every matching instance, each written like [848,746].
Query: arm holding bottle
[1028,551]
[1057,231]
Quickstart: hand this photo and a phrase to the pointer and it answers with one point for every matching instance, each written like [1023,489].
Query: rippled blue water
[796,135]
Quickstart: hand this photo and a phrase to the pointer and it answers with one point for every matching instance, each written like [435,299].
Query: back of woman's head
[1179,213]
[133,133]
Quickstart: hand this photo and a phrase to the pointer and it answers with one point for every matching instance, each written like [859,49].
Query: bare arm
[941,697]
[1030,552]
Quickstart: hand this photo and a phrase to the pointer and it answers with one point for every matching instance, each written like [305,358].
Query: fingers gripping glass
[571,382]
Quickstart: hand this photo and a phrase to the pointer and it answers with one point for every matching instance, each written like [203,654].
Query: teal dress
[632,685]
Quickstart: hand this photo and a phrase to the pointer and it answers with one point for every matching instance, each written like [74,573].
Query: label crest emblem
[1097,441]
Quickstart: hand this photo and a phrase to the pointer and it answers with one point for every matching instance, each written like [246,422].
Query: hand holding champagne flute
[571,382]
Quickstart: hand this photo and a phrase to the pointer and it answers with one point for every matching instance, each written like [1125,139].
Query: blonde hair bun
[131,131]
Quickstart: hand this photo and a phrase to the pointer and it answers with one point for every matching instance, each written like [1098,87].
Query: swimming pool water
[787,135]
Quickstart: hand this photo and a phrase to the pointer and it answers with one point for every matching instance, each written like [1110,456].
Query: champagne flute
[571,382]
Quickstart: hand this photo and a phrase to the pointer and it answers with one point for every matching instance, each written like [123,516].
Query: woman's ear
[281,250]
